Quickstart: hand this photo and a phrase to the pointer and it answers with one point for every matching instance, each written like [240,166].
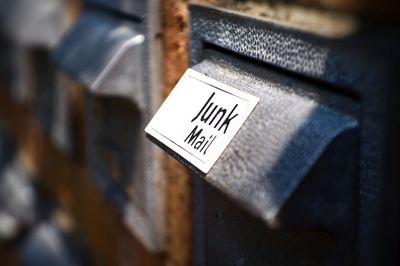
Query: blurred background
[81,184]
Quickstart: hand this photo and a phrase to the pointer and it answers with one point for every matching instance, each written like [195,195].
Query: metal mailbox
[107,70]
[113,56]
[292,164]
[302,164]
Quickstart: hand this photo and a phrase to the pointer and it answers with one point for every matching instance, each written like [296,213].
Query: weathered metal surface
[278,145]
[278,61]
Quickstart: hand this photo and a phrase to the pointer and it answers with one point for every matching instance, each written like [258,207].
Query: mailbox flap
[105,54]
[34,22]
[279,143]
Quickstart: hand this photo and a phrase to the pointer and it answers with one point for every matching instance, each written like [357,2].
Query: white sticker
[200,117]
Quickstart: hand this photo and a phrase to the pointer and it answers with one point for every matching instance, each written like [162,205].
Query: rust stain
[179,193]
[175,41]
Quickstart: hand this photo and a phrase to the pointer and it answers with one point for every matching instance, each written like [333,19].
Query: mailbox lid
[282,139]
[105,54]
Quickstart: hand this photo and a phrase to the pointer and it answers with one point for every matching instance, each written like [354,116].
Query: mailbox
[112,54]
[335,194]
[293,165]
[294,185]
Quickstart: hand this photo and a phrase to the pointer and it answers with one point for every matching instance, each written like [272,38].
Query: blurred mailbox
[105,54]
[108,55]
[33,27]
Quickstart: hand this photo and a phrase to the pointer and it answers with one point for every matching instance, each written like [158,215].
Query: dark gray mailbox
[111,51]
[299,183]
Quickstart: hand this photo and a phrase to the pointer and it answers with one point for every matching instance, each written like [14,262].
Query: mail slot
[111,56]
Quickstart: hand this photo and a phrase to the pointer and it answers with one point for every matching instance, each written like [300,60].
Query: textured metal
[278,144]
[345,67]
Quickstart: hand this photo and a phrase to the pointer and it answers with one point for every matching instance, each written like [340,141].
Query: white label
[200,117]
